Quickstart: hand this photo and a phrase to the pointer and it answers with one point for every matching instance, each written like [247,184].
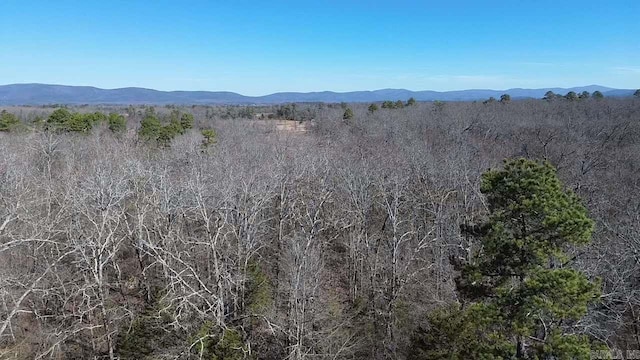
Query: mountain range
[44,94]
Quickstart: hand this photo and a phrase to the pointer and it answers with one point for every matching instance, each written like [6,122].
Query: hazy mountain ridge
[42,94]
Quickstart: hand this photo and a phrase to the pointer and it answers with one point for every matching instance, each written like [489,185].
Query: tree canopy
[66,121]
[490,100]
[7,121]
[571,95]
[519,295]
[348,114]
[152,129]
[117,123]
[549,95]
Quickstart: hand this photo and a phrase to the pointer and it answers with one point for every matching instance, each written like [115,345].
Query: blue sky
[260,47]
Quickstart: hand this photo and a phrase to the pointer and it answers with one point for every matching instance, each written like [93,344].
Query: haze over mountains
[43,94]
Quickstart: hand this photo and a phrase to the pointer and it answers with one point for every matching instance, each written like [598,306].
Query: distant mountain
[42,94]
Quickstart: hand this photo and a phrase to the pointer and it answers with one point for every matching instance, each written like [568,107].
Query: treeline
[153,128]
[64,120]
[572,95]
[550,95]
[382,237]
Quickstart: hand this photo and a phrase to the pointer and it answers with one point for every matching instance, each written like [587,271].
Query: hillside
[42,94]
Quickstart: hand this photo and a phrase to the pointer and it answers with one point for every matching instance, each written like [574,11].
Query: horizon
[325,91]
[346,46]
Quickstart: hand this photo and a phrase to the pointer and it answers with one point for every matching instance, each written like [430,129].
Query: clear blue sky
[260,47]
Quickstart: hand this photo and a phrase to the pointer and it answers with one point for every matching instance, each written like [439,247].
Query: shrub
[209,343]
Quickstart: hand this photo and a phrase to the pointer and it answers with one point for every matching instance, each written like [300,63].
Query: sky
[261,47]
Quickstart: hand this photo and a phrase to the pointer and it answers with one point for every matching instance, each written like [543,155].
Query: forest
[502,229]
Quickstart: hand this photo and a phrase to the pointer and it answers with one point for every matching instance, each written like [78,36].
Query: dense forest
[503,229]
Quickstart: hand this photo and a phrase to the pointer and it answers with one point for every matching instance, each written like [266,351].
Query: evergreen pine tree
[519,296]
